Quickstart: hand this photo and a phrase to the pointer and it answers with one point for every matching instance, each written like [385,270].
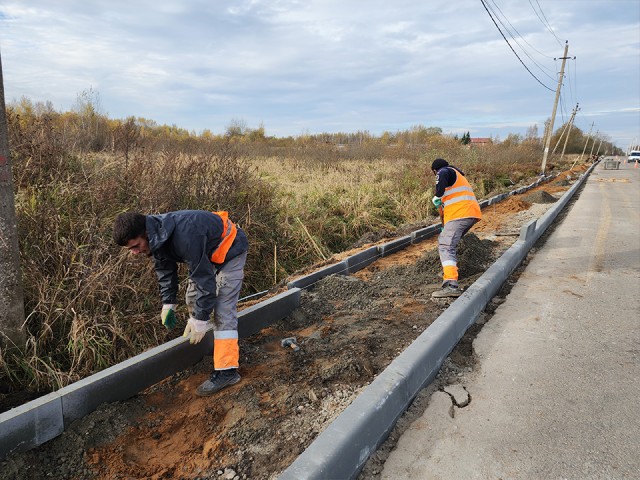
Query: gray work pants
[448,240]
[228,284]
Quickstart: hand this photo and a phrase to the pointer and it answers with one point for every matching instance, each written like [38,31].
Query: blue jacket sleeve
[167,273]
[444,178]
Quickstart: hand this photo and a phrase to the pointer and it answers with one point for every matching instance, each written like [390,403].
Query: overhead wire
[514,52]
[545,22]
[515,39]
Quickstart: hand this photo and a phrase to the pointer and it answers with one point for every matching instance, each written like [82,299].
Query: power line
[521,36]
[514,52]
[545,22]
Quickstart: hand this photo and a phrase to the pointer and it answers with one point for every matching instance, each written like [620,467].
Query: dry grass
[90,306]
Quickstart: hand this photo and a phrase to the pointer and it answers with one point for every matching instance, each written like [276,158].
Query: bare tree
[11,294]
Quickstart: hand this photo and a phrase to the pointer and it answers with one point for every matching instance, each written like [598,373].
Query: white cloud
[327,65]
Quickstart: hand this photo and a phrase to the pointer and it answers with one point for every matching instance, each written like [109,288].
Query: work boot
[447,291]
[218,380]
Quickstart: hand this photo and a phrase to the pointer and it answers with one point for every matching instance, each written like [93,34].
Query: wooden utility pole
[594,143]
[555,107]
[11,294]
[587,142]
[566,127]
[573,116]
[599,145]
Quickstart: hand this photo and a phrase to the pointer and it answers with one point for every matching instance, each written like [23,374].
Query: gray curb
[47,417]
[394,246]
[31,424]
[304,282]
[40,420]
[424,233]
[361,259]
[253,319]
[342,449]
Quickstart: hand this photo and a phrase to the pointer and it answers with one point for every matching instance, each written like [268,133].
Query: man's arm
[444,178]
[167,273]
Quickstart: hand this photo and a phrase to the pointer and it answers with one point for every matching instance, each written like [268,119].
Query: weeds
[89,305]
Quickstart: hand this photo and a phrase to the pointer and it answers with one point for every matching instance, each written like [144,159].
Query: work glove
[168,316]
[195,330]
[437,201]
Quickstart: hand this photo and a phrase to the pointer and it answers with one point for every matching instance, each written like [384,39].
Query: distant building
[480,142]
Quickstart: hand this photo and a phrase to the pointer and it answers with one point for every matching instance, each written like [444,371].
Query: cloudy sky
[311,66]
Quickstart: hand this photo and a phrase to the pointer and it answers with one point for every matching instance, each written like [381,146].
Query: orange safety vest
[459,201]
[229,233]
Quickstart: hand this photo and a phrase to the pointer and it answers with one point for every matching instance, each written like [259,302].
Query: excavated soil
[349,329]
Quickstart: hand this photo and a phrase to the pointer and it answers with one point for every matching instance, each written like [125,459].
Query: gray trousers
[228,284]
[448,240]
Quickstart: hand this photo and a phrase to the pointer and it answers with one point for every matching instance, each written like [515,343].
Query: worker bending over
[215,250]
[461,211]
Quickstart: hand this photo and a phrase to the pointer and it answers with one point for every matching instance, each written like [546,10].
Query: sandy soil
[349,329]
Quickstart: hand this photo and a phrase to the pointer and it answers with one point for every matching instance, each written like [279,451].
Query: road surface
[555,391]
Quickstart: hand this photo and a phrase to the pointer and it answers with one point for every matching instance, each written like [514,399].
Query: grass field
[300,200]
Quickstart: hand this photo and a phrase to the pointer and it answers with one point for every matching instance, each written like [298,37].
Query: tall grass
[89,305]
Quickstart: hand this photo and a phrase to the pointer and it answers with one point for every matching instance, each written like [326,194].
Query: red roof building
[480,142]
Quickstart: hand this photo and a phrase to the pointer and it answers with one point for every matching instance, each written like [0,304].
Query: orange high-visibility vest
[229,233]
[459,201]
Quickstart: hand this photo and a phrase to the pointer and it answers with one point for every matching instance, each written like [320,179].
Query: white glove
[437,201]
[195,330]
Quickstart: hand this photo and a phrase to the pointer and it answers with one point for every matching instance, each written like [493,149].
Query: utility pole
[566,127]
[573,116]
[594,143]
[587,142]
[555,107]
[11,293]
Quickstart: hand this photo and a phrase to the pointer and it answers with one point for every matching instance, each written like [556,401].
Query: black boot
[218,380]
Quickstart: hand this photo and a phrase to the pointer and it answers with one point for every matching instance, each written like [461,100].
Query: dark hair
[439,163]
[127,226]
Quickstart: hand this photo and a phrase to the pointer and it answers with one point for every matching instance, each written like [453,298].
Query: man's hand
[168,316]
[195,330]
[437,201]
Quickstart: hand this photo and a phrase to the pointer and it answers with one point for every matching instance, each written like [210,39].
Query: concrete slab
[333,454]
[253,319]
[127,378]
[361,259]
[340,268]
[527,231]
[394,246]
[31,424]
[424,233]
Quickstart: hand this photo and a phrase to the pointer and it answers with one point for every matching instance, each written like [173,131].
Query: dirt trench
[349,329]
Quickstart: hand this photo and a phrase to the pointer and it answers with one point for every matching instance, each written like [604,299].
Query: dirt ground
[349,329]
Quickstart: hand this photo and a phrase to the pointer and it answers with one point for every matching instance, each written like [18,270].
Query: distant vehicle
[634,156]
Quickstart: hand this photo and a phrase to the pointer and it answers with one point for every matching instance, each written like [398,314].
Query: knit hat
[439,163]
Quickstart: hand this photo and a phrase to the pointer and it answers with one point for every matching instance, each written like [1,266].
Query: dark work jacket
[445,177]
[189,236]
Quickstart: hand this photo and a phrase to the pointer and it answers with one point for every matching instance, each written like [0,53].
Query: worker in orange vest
[461,211]
[215,251]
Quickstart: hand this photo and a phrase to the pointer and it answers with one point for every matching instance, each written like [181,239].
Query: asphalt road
[555,391]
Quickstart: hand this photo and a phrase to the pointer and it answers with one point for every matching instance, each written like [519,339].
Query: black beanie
[439,163]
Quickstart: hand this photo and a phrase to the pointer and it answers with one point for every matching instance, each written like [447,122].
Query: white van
[634,156]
